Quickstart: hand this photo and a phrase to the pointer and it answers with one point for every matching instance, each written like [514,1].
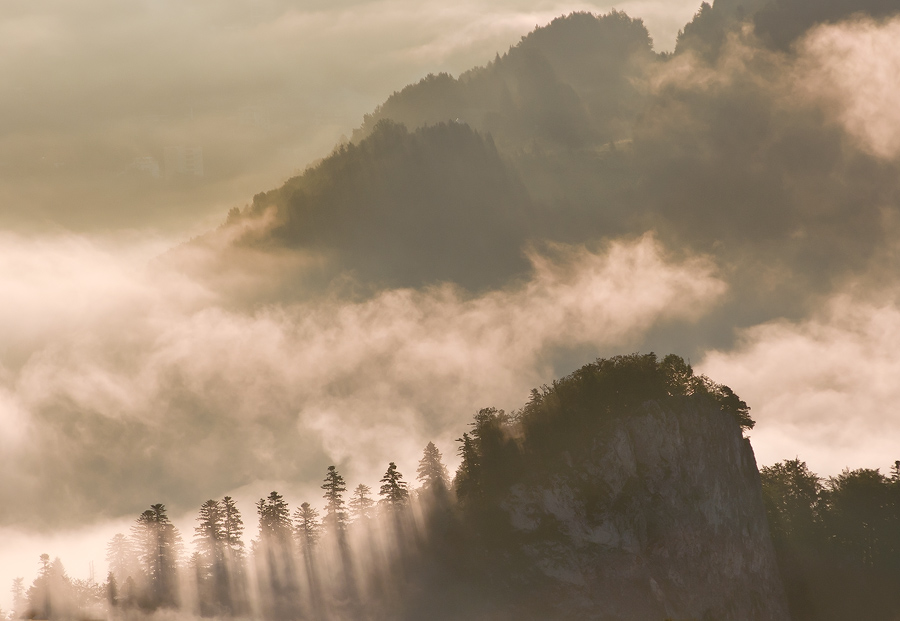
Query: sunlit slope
[574,83]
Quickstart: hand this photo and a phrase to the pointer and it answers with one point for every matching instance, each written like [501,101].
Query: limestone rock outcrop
[661,519]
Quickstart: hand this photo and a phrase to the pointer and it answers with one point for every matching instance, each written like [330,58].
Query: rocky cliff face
[662,518]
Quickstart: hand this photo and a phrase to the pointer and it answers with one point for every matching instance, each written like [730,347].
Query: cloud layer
[124,386]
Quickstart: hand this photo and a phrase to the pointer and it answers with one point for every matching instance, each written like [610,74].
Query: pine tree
[275,557]
[232,529]
[50,595]
[209,534]
[274,519]
[334,486]
[431,471]
[39,598]
[120,556]
[18,597]
[393,492]
[361,504]
[234,583]
[467,481]
[128,596]
[112,590]
[209,559]
[158,546]
[307,528]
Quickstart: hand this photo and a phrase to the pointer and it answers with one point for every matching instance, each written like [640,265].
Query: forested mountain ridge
[582,133]
[444,199]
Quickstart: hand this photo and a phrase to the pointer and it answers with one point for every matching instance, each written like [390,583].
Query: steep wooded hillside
[403,208]
[574,83]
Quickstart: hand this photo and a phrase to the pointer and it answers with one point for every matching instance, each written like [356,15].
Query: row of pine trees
[148,568]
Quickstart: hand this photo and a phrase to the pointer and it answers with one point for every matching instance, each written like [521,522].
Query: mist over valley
[229,297]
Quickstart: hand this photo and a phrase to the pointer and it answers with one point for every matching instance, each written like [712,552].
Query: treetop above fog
[621,383]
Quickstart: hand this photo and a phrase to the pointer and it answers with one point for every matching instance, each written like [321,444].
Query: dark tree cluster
[218,561]
[837,540]
[440,204]
[556,428]
[148,570]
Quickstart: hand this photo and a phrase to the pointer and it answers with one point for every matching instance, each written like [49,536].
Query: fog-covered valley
[223,268]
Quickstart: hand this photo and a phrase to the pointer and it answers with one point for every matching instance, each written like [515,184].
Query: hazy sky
[125,381]
[262,87]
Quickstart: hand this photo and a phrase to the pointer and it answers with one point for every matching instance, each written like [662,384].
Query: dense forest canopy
[837,539]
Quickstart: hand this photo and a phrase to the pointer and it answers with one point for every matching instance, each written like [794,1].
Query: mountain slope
[573,83]
[580,134]
[663,518]
[403,208]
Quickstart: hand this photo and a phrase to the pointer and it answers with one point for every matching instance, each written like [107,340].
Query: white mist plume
[854,65]
[825,388]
